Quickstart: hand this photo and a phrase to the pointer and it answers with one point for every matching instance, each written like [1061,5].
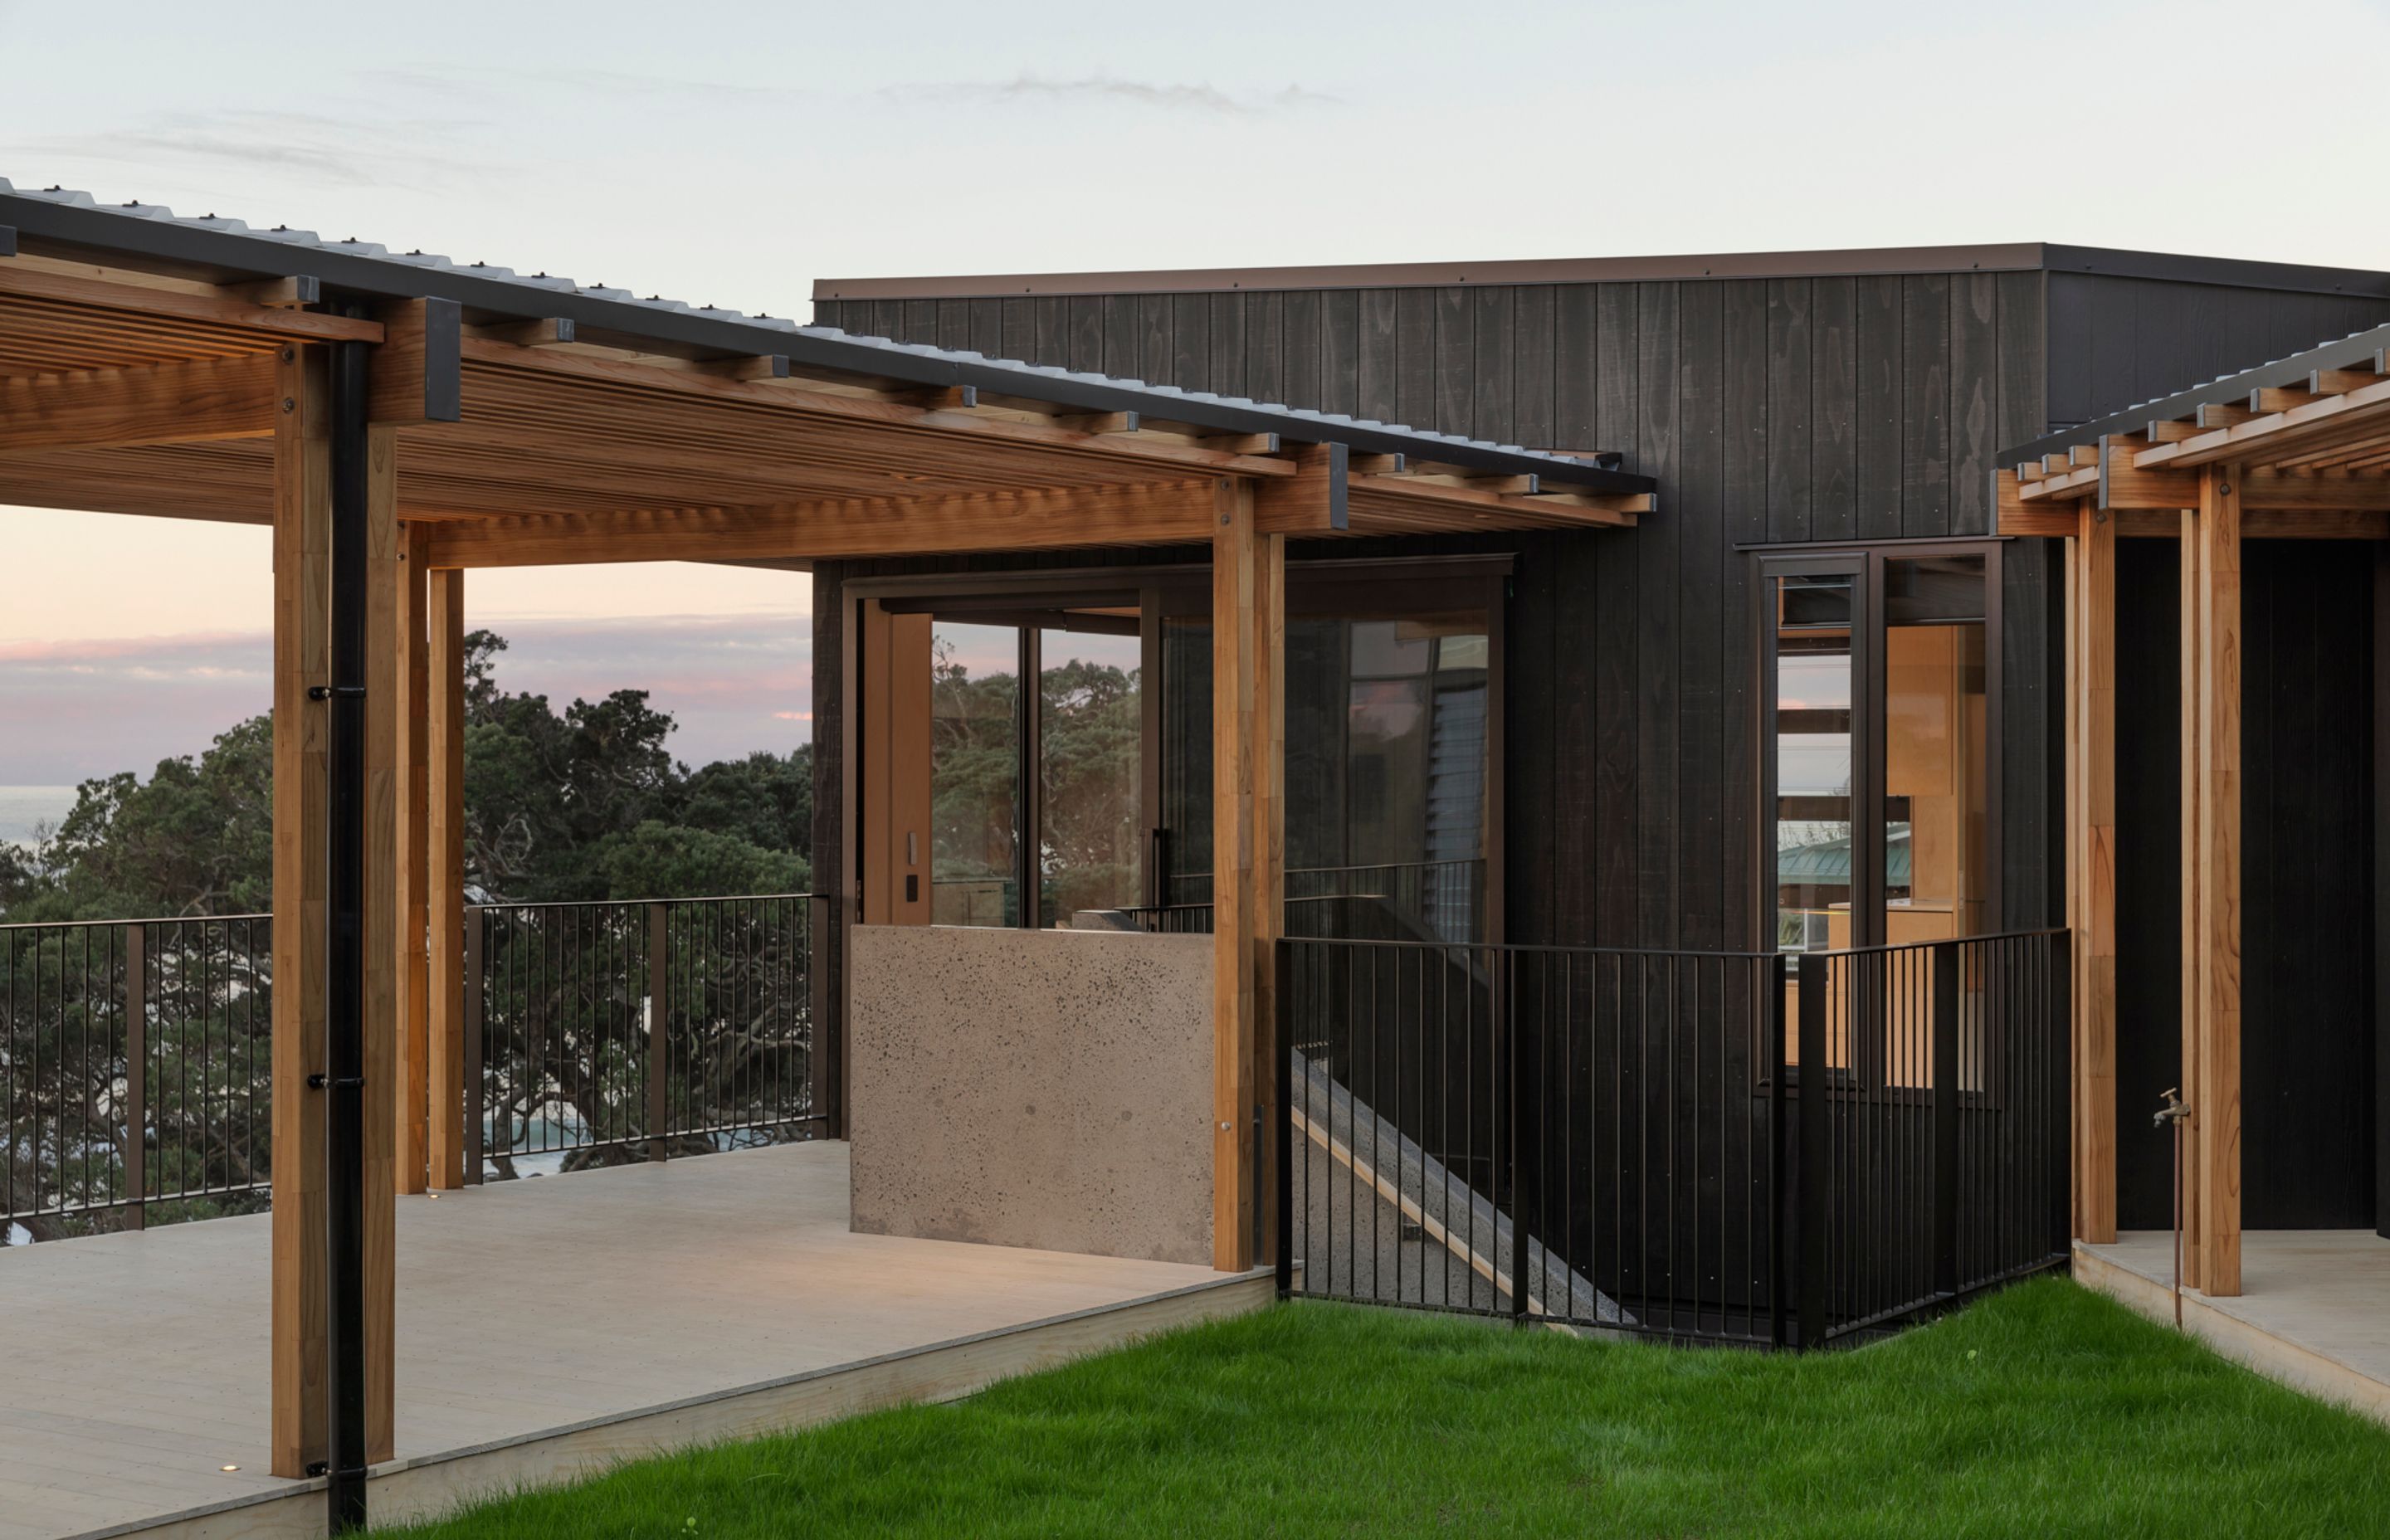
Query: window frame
[1866,563]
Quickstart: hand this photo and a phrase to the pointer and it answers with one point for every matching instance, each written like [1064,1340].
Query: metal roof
[2357,348]
[2010,257]
[212,245]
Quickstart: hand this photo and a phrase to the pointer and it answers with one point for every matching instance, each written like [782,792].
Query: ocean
[23,807]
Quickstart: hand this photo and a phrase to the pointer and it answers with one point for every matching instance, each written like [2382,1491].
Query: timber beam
[1036,519]
[198,402]
[24,281]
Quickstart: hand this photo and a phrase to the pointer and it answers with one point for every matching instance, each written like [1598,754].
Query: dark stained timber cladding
[2115,342]
[1974,385]
[1790,393]
[1493,409]
[1820,409]
[1834,408]
[1925,404]
[1537,685]
[1415,344]
[1529,420]
[1376,361]
[1877,347]
[2307,1089]
[1744,495]
[1700,690]
[2309,1111]
[1454,361]
[1659,875]
[1190,343]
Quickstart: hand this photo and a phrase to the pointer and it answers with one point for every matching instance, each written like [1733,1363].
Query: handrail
[146,920]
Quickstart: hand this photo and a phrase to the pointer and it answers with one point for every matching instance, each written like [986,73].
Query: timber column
[2091,750]
[2212,934]
[311,459]
[1248,846]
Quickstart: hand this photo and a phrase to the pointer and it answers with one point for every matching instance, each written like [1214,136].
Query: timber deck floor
[662,1303]
[2313,1311]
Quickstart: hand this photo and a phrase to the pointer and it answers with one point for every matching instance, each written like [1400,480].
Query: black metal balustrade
[135,1058]
[598,1032]
[1704,1146]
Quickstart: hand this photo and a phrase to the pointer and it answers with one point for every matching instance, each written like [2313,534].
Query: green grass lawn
[2044,1410]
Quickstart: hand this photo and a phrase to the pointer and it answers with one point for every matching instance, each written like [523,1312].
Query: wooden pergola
[2299,449]
[400,420]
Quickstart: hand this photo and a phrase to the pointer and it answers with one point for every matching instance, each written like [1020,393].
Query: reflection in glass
[974,773]
[1088,730]
[1386,763]
[1813,760]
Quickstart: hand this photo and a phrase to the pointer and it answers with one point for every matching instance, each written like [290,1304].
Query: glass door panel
[974,773]
[1089,774]
[1816,762]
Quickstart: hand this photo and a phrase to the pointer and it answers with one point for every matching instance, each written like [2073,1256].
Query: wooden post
[302,614]
[2092,751]
[1247,844]
[410,1098]
[2218,941]
[444,1078]
[386,879]
[2190,586]
[303,604]
[1268,914]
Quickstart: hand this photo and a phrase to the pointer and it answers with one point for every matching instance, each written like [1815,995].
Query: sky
[732,154]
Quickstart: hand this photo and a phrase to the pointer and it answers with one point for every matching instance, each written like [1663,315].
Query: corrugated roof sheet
[1298,419]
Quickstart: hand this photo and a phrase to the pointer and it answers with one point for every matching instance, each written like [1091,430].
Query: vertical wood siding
[1807,409]
[1819,410]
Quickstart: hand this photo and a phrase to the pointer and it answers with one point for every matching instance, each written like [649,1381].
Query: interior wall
[2311,1024]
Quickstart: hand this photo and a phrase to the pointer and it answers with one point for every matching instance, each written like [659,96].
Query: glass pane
[1187,758]
[974,773]
[1934,776]
[1813,760]
[1088,853]
[1386,756]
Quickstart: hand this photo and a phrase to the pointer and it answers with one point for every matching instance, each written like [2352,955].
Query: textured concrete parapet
[1043,1088]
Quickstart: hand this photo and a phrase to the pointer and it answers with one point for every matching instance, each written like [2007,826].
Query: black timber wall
[2117,342]
[2308,1034]
[1781,410]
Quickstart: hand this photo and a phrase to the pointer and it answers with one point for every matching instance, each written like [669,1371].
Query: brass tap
[2174,1110]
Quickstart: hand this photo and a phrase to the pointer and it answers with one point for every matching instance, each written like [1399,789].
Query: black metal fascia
[2357,350]
[8,240]
[379,277]
[2221,271]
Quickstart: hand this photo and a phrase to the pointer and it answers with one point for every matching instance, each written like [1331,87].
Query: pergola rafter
[2297,449]
[400,419]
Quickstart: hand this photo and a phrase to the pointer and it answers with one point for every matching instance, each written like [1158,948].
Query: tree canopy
[585,802]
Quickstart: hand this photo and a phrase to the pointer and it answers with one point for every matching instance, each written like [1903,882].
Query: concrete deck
[545,1327]
[2314,1311]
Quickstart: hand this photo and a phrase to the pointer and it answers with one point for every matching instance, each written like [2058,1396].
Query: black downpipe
[344,1055]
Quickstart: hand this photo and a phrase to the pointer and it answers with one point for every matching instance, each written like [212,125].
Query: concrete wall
[1044,1088]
